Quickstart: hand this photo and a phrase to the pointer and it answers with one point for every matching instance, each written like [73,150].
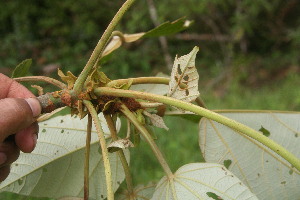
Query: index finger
[12,89]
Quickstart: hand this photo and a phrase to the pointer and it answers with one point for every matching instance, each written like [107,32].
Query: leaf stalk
[112,129]
[281,151]
[87,158]
[149,139]
[100,46]
[107,168]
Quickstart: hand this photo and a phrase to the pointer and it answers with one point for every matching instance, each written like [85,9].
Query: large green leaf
[197,181]
[55,168]
[264,172]
[22,68]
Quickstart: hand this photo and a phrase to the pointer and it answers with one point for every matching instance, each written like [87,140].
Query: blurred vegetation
[249,57]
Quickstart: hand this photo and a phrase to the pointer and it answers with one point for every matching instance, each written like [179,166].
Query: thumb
[17,114]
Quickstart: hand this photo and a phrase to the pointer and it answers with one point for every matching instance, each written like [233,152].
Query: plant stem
[100,46]
[149,139]
[151,80]
[52,81]
[140,80]
[292,159]
[87,158]
[107,169]
[112,129]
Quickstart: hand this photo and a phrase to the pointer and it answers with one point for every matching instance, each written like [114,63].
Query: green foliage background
[248,59]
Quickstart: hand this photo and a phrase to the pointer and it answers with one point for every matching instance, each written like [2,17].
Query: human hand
[18,127]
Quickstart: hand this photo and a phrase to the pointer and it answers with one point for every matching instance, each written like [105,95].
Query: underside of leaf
[184,72]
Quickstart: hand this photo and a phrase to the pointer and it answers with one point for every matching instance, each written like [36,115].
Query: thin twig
[52,81]
[101,46]
[87,158]
[107,168]
[113,132]
[149,139]
[162,39]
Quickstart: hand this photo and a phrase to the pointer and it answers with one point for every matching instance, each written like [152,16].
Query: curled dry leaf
[119,144]
[156,120]
[117,41]
[184,72]
[69,78]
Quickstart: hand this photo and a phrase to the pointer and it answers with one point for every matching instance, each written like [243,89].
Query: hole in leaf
[296,135]
[20,181]
[214,196]
[62,131]
[258,174]
[227,163]
[187,92]
[176,79]
[291,171]
[61,121]
[283,182]
[44,130]
[186,78]
[265,131]
[179,69]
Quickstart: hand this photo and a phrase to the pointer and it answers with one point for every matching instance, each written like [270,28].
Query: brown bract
[112,105]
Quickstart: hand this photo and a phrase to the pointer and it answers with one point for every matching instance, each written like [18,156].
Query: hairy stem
[150,80]
[107,169]
[101,46]
[149,139]
[140,80]
[52,81]
[113,132]
[291,158]
[87,158]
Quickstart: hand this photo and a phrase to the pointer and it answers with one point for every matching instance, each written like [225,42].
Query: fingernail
[3,158]
[35,106]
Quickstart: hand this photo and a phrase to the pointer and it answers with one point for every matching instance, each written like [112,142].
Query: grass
[180,143]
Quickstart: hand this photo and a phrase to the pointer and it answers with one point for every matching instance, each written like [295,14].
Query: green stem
[93,113]
[140,80]
[150,80]
[87,158]
[100,46]
[292,159]
[113,131]
[149,139]
[52,81]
